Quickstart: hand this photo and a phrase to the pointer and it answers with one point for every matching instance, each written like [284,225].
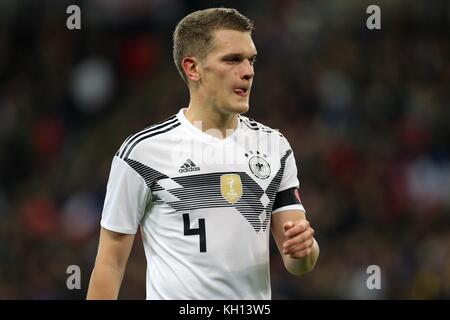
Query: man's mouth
[241,91]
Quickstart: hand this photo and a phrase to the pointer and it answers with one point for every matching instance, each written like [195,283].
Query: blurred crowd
[366,112]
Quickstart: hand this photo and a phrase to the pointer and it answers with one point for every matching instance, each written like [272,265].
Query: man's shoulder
[258,127]
[255,127]
[147,136]
[273,136]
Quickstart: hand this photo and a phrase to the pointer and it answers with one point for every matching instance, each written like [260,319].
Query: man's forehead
[232,41]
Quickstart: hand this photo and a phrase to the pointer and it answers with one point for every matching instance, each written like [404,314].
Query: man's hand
[300,239]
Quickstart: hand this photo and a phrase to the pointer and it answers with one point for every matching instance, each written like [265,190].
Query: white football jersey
[204,206]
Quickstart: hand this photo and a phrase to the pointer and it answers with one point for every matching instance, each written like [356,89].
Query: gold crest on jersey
[231,187]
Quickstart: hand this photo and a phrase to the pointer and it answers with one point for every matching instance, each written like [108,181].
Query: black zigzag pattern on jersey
[203,191]
[151,131]
[157,187]
[156,198]
[148,174]
[274,186]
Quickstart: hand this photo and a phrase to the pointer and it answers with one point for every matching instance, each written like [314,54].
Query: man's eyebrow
[237,56]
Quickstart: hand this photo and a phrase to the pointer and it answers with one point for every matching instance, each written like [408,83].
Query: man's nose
[248,71]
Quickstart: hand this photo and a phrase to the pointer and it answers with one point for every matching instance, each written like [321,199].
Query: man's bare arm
[295,241]
[112,257]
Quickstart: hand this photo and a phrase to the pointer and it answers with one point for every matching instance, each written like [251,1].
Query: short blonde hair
[194,33]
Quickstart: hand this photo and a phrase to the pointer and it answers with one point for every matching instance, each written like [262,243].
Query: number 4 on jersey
[201,230]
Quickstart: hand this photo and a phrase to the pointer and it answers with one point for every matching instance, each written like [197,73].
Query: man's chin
[240,108]
[235,108]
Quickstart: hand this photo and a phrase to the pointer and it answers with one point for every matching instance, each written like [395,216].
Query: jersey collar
[202,135]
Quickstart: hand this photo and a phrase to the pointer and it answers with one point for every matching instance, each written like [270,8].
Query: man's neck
[212,122]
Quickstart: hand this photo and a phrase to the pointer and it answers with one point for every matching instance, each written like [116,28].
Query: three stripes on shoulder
[154,130]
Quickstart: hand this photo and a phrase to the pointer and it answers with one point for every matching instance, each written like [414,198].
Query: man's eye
[252,61]
[233,60]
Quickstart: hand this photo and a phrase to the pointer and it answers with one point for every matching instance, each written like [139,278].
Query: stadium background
[366,112]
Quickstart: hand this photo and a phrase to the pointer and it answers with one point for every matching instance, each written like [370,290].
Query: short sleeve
[126,199]
[287,197]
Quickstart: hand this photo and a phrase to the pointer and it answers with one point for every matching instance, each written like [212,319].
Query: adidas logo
[188,166]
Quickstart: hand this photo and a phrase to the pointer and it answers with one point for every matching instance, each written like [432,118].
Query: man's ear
[190,67]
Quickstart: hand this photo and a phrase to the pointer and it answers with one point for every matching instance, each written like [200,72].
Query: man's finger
[299,238]
[301,254]
[298,227]
[298,247]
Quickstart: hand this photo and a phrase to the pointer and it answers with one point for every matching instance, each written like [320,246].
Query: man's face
[227,72]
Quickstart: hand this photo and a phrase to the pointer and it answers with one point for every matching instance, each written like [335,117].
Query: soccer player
[206,185]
